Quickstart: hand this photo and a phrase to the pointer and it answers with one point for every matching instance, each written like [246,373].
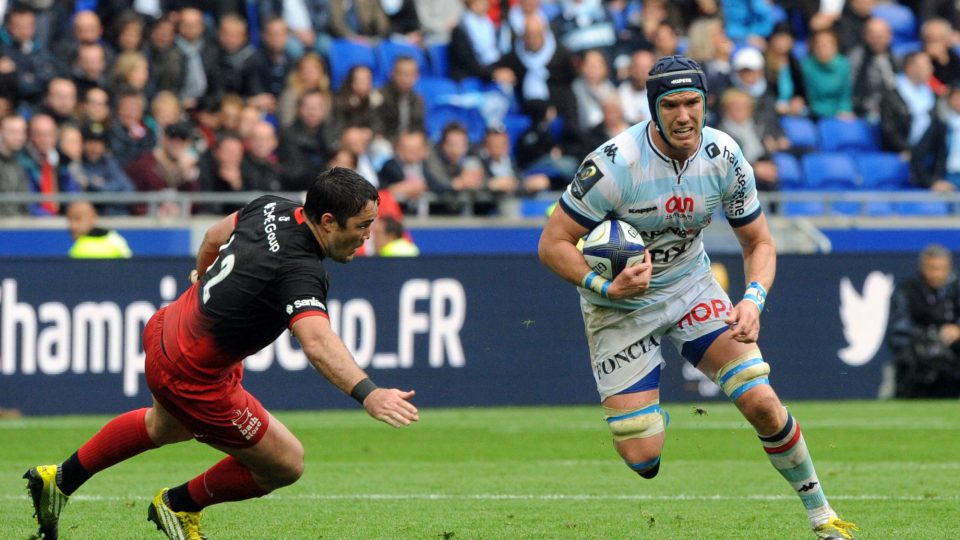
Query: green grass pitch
[530,472]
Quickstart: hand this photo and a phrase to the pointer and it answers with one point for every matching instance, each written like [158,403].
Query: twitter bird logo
[864,317]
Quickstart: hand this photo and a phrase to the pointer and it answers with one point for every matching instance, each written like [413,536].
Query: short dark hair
[340,192]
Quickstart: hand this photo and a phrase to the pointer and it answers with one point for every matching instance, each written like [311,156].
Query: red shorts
[217,411]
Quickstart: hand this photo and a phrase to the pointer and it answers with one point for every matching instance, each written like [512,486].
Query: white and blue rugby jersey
[667,201]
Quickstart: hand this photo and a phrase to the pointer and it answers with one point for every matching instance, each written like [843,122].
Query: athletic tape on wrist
[363,389]
[756,294]
[596,283]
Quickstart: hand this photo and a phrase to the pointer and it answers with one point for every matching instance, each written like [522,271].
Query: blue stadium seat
[802,208]
[516,125]
[550,10]
[899,50]
[441,115]
[472,84]
[901,20]
[435,89]
[535,208]
[882,171]
[801,131]
[344,54]
[838,135]
[829,171]
[923,208]
[438,59]
[788,171]
[387,52]
[800,49]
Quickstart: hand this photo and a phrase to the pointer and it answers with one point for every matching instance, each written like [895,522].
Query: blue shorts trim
[694,350]
[650,381]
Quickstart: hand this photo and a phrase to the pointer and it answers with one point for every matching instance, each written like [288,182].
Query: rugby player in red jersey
[259,271]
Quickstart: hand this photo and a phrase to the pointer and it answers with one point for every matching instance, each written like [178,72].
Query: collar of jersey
[672,161]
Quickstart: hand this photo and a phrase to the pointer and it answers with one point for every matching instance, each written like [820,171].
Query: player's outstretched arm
[332,359]
[759,267]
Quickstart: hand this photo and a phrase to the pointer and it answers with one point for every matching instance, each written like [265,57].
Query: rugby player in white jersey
[666,177]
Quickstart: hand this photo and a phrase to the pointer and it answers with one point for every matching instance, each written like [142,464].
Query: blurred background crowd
[451,107]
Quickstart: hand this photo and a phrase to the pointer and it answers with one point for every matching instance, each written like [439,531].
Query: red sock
[122,438]
[228,480]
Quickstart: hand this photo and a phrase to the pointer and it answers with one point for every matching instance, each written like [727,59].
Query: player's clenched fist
[392,406]
[633,280]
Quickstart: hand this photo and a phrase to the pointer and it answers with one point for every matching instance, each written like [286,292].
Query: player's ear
[328,222]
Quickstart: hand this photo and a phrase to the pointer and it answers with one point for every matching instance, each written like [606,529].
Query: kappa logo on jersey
[305,302]
[712,150]
[610,151]
[586,178]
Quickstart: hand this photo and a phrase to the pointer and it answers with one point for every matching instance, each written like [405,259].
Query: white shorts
[625,345]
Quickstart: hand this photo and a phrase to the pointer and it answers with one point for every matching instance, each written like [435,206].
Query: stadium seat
[901,19]
[801,131]
[387,52]
[550,10]
[437,53]
[535,208]
[472,84]
[923,208]
[344,54]
[829,171]
[435,89]
[882,171]
[441,115]
[516,125]
[802,208]
[788,171]
[800,49]
[838,135]
[904,48]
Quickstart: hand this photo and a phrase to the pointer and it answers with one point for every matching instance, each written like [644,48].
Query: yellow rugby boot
[48,500]
[176,525]
[835,529]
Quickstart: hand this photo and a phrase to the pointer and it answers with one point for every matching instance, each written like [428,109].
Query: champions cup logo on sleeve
[586,178]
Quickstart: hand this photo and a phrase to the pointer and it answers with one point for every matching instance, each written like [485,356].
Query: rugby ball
[612,246]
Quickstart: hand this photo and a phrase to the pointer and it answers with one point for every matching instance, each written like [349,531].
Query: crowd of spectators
[123,95]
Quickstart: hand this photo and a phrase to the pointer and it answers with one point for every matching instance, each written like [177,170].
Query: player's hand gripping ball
[612,246]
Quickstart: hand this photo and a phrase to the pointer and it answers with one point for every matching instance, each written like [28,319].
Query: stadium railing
[855,204]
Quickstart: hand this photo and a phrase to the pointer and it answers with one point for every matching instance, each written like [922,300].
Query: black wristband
[362,390]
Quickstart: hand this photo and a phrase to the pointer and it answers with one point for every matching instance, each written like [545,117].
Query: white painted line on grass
[530,497]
